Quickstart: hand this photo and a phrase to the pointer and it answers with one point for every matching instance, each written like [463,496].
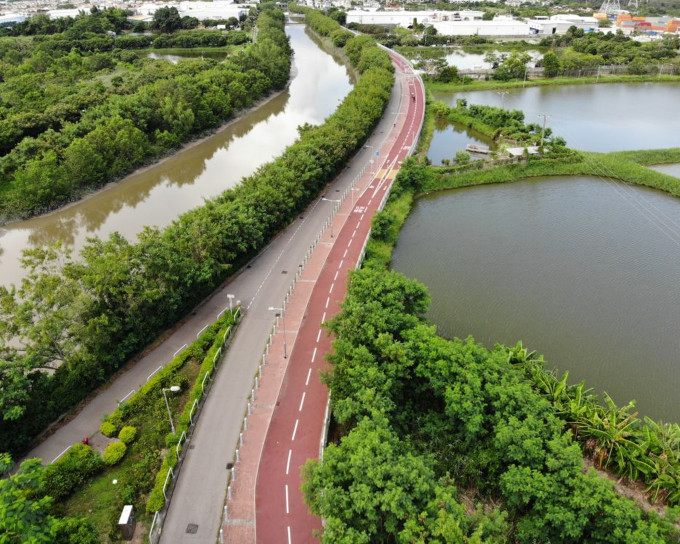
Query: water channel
[159,194]
[570,266]
[605,117]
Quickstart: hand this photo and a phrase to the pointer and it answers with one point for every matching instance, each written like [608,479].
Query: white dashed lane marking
[295,430]
[287,505]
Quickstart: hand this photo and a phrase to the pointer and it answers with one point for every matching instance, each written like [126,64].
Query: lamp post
[354,189]
[283,322]
[174,389]
[331,200]
[231,299]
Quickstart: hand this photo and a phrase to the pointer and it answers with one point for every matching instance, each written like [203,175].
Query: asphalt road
[297,424]
[201,488]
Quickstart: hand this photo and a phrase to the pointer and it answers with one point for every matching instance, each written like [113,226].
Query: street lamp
[231,298]
[354,189]
[174,389]
[330,200]
[283,322]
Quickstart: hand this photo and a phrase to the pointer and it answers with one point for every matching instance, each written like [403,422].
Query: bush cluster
[72,470]
[127,434]
[113,453]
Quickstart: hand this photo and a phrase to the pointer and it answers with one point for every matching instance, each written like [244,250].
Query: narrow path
[287,425]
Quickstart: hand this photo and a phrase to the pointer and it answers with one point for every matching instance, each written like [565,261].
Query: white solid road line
[302,401]
[290,452]
[294,430]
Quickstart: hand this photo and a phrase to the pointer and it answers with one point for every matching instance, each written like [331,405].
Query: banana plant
[616,432]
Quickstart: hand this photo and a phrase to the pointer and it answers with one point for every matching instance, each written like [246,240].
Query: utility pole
[545,118]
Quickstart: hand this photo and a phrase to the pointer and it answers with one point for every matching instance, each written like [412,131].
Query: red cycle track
[296,428]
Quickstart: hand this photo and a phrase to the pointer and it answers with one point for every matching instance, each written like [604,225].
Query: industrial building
[470,23]
[559,24]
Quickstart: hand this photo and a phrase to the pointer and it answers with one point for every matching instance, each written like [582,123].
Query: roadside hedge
[218,332]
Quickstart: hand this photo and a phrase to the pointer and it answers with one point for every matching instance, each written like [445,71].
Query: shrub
[155,502]
[127,435]
[108,429]
[72,470]
[114,453]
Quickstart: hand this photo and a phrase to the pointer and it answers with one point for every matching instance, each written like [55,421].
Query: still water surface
[670,169]
[177,56]
[568,266]
[606,117]
[159,194]
[448,138]
[475,61]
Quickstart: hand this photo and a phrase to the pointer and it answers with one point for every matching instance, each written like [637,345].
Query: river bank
[153,162]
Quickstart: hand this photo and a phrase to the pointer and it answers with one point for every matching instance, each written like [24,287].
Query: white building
[405,19]
[499,27]
[559,24]
[201,10]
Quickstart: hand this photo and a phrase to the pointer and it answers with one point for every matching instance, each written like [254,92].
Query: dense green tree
[513,67]
[166,19]
[551,64]
[467,414]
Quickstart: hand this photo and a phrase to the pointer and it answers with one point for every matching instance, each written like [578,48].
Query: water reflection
[177,56]
[157,195]
[605,117]
[449,138]
[570,266]
[475,61]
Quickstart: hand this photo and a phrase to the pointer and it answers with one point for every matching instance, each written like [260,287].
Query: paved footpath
[289,414]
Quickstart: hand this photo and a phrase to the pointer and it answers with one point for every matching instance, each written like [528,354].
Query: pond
[475,61]
[448,138]
[670,169]
[604,117]
[583,271]
[178,55]
[159,194]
